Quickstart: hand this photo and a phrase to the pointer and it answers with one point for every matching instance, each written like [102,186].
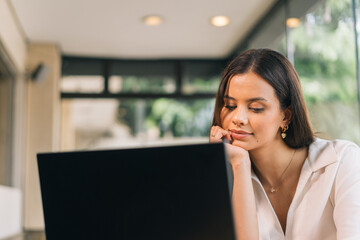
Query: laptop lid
[176,192]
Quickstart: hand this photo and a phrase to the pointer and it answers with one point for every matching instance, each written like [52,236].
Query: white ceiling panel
[114,28]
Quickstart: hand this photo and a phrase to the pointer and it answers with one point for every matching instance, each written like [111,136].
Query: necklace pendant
[272,190]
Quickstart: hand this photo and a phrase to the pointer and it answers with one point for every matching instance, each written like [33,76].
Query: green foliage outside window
[175,118]
[324,57]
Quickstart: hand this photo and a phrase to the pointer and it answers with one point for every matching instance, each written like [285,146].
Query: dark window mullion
[178,76]
[106,73]
[136,95]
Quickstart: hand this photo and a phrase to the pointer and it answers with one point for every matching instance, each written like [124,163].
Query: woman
[287,183]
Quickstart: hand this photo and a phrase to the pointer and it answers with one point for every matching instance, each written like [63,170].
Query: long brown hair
[282,76]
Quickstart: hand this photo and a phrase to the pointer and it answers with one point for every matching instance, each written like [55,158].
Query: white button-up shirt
[326,204]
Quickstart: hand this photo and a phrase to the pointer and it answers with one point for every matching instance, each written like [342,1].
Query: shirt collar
[321,154]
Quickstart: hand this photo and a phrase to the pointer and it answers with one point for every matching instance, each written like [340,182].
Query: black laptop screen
[178,192]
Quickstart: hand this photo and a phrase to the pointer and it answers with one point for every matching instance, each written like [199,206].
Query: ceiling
[114,28]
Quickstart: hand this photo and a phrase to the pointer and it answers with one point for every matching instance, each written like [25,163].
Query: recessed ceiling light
[153,20]
[220,21]
[293,22]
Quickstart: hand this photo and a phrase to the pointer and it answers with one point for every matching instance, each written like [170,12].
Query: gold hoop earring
[283,134]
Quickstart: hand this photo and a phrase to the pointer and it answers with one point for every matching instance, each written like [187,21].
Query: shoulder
[343,156]
[344,147]
[338,148]
[323,153]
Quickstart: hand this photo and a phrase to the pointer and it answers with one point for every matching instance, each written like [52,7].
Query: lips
[239,133]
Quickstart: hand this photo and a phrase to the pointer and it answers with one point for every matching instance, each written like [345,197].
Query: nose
[240,117]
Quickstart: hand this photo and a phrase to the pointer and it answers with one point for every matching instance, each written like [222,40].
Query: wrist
[240,166]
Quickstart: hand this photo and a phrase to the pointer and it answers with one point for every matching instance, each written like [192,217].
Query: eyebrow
[228,97]
[249,100]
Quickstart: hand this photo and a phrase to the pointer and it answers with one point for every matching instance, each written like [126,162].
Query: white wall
[43,126]
[13,51]
[10,212]
[11,36]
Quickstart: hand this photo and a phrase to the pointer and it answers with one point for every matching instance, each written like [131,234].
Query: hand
[217,134]
[237,155]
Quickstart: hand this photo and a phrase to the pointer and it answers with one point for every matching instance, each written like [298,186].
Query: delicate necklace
[274,187]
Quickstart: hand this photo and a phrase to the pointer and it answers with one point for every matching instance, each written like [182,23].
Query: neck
[271,161]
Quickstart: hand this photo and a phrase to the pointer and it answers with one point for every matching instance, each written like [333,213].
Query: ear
[287,114]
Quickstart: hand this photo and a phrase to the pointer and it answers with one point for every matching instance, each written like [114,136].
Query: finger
[214,131]
[217,134]
[225,135]
[228,136]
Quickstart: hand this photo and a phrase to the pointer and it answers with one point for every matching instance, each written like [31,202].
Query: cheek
[265,124]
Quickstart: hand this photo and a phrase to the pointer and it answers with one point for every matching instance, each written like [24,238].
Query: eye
[256,110]
[230,107]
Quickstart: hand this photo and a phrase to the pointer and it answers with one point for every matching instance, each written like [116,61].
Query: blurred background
[87,74]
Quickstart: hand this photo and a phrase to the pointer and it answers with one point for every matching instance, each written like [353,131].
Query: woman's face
[252,112]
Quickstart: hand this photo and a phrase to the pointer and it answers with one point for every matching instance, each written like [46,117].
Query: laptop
[173,192]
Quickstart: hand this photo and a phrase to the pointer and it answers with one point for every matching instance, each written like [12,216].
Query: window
[201,77]
[137,103]
[323,50]
[82,84]
[112,123]
[142,77]
[141,84]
